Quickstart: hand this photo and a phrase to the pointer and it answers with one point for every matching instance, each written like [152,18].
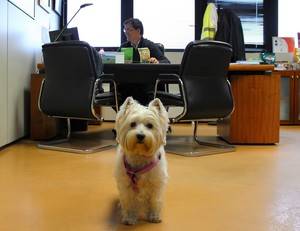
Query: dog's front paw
[129,221]
[153,218]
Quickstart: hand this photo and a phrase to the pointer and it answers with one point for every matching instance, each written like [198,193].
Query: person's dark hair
[135,23]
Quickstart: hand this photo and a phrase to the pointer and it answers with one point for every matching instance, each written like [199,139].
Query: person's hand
[153,60]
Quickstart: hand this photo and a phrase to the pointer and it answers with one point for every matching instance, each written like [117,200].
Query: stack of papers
[249,62]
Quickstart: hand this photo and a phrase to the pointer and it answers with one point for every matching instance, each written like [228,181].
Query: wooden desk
[171,68]
[255,120]
[256,92]
[138,79]
[139,73]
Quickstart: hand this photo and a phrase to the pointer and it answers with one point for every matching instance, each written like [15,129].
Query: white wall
[3,72]
[20,51]
[23,41]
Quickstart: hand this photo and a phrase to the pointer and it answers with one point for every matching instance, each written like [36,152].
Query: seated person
[133,29]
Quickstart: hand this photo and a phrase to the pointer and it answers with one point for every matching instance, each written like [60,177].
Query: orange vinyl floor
[256,188]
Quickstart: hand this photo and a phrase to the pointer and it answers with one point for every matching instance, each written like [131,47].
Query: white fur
[133,119]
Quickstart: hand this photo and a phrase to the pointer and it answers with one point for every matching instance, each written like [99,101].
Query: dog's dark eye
[149,126]
[133,124]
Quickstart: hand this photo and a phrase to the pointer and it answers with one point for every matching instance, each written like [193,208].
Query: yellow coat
[210,22]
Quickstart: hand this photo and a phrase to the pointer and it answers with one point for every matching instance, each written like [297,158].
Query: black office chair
[70,90]
[205,93]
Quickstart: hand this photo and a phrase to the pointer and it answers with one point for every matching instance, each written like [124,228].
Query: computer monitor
[68,34]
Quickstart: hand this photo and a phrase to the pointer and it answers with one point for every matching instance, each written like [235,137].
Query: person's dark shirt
[154,50]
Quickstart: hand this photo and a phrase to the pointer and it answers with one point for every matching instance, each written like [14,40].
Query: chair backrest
[71,69]
[203,71]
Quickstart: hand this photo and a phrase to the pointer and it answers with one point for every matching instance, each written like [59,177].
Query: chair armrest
[109,78]
[168,78]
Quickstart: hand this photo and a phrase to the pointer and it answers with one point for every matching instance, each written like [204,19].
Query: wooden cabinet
[41,126]
[289,97]
[255,119]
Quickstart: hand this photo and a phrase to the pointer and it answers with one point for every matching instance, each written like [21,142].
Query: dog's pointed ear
[126,106]
[158,106]
[121,115]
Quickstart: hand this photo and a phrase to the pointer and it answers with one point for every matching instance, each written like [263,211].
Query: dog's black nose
[140,137]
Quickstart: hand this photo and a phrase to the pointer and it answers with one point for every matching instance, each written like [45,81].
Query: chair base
[82,142]
[187,146]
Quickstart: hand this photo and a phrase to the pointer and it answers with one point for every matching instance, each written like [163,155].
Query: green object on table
[128,53]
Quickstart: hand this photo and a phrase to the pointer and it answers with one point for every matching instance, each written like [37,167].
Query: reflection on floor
[255,188]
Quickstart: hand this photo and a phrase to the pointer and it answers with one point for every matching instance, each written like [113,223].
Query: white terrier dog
[141,167]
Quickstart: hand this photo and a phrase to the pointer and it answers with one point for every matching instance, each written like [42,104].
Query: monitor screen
[68,34]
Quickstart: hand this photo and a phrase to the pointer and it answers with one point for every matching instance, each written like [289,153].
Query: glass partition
[169,22]
[251,14]
[285,98]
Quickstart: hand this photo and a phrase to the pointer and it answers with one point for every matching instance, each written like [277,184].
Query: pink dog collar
[133,172]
